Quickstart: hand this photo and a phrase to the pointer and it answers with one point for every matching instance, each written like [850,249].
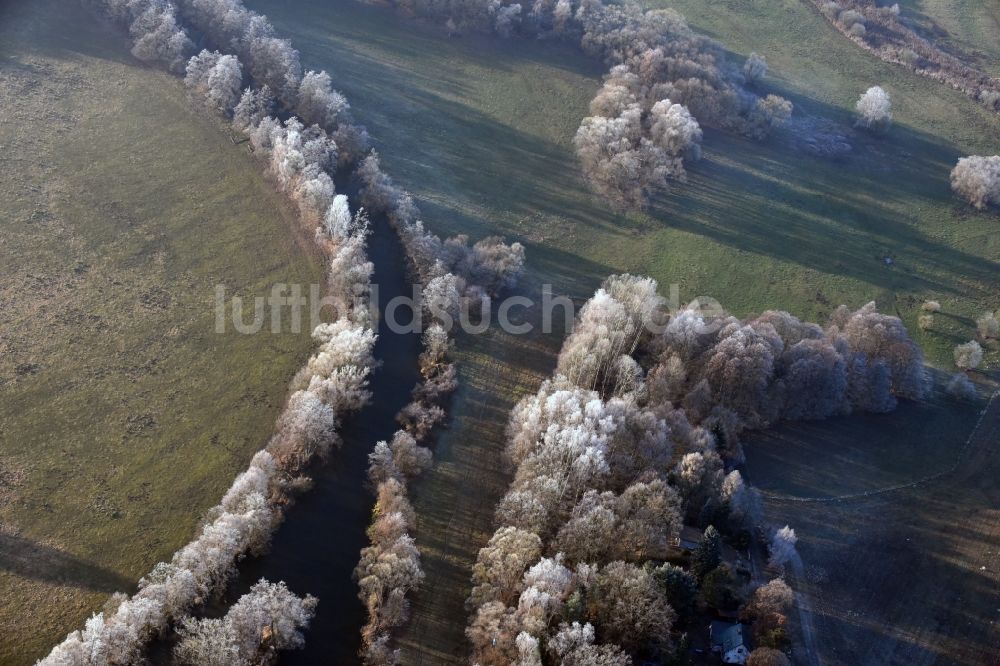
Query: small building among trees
[727,640]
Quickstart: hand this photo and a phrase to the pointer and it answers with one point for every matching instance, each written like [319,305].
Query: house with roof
[727,640]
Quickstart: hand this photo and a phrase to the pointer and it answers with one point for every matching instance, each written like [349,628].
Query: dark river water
[317,547]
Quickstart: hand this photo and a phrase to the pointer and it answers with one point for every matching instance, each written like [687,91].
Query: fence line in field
[900,486]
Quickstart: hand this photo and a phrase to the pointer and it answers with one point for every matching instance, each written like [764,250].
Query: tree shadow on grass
[895,582]
[474,173]
[30,559]
[835,217]
[62,31]
[894,578]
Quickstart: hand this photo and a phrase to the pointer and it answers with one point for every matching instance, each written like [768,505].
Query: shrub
[988,326]
[755,68]
[969,355]
[782,548]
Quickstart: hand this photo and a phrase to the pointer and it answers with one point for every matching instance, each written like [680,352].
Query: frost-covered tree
[610,326]
[874,108]
[495,265]
[230,25]
[765,115]
[968,356]
[674,130]
[299,159]
[338,222]
[157,34]
[507,17]
[349,270]
[574,645]
[698,476]
[876,339]
[307,426]
[782,547]
[254,106]
[813,380]
[528,651]
[635,526]
[629,153]
[442,299]
[977,180]
[755,68]
[501,564]
[630,608]
[409,458]
[216,79]
[318,103]
[266,620]
[736,495]
[493,632]
[116,640]
[338,370]
[388,569]
[740,369]
[988,326]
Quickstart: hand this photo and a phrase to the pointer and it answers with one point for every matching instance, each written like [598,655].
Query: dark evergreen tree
[708,555]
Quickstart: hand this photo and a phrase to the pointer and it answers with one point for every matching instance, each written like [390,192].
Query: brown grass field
[123,416]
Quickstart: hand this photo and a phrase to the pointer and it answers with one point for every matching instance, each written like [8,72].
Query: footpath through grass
[123,415]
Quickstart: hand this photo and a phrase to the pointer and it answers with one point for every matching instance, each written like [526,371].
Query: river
[317,547]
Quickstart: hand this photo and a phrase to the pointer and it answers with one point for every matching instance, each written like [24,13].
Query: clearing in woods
[123,416]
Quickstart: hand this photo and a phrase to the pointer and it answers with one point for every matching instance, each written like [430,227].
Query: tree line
[390,567]
[630,440]
[454,275]
[881,30]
